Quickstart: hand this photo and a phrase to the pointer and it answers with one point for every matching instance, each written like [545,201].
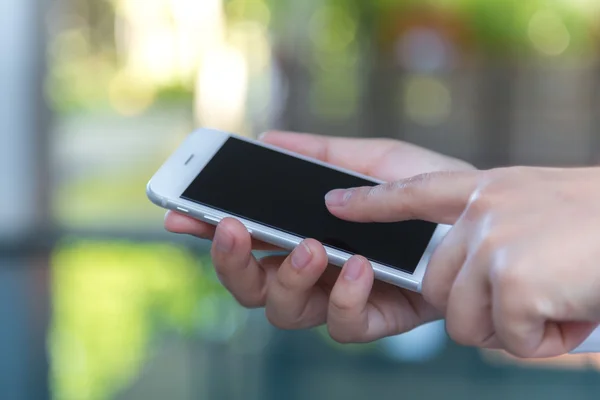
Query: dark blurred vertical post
[495,114]
[23,202]
[381,75]
[381,120]
[595,125]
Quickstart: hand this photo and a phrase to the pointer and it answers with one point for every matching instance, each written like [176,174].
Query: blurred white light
[200,27]
[163,40]
[251,38]
[418,345]
[154,56]
[427,101]
[141,10]
[548,33]
[221,89]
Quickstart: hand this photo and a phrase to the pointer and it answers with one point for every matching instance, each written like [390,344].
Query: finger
[384,159]
[437,197]
[236,267]
[469,311]
[178,223]
[271,262]
[294,300]
[526,333]
[443,267]
[349,318]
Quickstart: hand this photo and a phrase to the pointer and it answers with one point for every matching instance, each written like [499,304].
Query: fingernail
[338,197]
[353,269]
[301,256]
[224,242]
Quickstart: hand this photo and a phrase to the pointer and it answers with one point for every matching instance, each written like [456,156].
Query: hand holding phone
[279,196]
[316,294]
[354,310]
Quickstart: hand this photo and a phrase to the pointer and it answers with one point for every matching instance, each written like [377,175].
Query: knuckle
[223,273]
[278,320]
[406,186]
[436,294]
[341,336]
[361,195]
[522,352]
[377,191]
[490,245]
[420,179]
[481,202]
[345,324]
[342,306]
[409,186]
[249,300]
[273,318]
[513,299]
[506,278]
[458,333]
[517,345]
[284,284]
[490,193]
[504,174]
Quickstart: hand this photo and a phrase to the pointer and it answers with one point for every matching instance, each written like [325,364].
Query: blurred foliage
[496,28]
[502,26]
[107,199]
[85,54]
[111,299]
[335,47]
[82,84]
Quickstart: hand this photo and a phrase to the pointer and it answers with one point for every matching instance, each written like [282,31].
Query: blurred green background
[97,302]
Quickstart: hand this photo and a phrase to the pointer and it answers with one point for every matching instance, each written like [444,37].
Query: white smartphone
[279,196]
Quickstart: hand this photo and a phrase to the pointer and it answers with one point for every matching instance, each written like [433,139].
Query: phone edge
[287,241]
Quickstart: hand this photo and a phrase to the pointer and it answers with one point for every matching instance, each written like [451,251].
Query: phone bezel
[178,172]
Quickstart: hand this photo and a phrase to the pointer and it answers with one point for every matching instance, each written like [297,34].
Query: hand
[301,291]
[519,269]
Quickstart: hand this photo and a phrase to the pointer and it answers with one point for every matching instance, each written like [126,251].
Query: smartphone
[279,196]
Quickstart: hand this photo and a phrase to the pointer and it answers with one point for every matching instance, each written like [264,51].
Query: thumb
[439,197]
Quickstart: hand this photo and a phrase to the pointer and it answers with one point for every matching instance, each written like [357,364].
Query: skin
[519,269]
[301,291]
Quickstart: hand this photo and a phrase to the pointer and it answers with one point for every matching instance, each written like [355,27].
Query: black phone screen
[288,194]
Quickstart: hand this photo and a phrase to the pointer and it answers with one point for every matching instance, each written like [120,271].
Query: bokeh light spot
[427,101]
[548,33]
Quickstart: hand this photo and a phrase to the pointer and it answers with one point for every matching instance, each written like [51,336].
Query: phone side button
[213,219]
[183,210]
